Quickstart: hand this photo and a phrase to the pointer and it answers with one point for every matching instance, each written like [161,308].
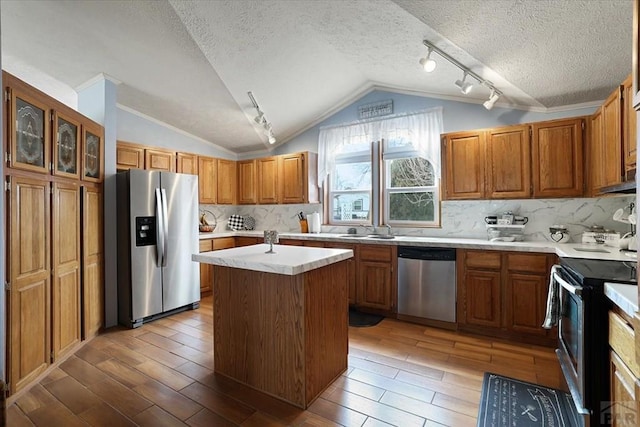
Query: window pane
[352,176]
[411,206]
[413,172]
[350,207]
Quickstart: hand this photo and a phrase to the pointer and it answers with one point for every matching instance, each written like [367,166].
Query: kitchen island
[280,320]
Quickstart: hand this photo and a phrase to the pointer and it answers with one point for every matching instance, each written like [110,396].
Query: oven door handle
[576,290]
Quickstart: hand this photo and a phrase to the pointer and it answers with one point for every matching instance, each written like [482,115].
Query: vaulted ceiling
[191,63]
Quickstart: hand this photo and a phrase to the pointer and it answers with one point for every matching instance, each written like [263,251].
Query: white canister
[314,222]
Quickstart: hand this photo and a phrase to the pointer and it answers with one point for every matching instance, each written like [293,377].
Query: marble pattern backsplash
[461,219]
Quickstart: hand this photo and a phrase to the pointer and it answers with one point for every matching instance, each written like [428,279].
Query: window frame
[346,158]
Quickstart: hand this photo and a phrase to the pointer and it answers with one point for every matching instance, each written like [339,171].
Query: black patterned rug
[510,402]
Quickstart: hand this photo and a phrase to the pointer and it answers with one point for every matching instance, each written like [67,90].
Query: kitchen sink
[351,235]
[381,236]
[600,250]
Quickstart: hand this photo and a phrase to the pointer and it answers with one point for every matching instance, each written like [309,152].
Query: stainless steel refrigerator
[157,234]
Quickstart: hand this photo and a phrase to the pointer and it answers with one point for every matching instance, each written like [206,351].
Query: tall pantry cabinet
[53,182]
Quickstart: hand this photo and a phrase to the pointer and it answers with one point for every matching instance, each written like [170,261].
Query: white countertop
[624,296]
[565,250]
[288,260]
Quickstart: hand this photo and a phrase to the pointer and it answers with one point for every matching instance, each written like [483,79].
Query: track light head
[488,104]
[465,87]
[427,63]
[272,139]
[259,119]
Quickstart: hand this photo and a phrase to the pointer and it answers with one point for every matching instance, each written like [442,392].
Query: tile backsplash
[463,219]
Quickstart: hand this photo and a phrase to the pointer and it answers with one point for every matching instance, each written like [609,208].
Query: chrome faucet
[389,231]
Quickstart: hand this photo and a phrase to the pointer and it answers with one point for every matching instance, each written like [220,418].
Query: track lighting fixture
[465,87]
[488,104]
[427,63]
[261,119]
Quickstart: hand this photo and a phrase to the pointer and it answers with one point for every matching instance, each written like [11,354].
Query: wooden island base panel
[283,334]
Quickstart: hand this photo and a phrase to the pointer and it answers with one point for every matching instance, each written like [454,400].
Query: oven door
[571,337]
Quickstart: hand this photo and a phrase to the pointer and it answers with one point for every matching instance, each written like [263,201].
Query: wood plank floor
[162,375]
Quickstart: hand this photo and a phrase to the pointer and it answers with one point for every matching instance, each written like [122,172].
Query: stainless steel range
[583,328]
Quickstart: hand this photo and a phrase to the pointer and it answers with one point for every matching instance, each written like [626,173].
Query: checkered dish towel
[236,222]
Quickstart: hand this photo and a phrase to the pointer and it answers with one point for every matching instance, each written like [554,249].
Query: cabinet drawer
[487,260]
[529,263]
[622,341]
[376,253]
[206,245]
[224,243]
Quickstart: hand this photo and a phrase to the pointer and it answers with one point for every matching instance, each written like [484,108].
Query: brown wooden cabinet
[93,260]
[247,183]
[611,160]
[464,165]
[247,241]
[160,160]
[526,289]
[129,156]
[480,301]
[65,288]
[267,178]
[54,247]
[624,369]
[504,294]
[206,270]
[29,275]
[595,150]
[508,163]
[376,284]
[557,158]
[298,178]
[207,180]
[187,163]
[226,182]
[488,164]
[629,128]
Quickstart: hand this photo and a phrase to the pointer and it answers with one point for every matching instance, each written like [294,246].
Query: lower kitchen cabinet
[93,259]
[376,282]
[247,241]
[504,294]
[624,371]
[206,270]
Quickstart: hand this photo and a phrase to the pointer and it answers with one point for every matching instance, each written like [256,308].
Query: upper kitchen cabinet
[160,160]
[129,156]
[267,172]
[611,160]
[488,164]
[557,158]
[464,164]
[92,152]
[66,145]
[508,163]
[207,180]
[247,184]
[298,178]
[29,142]
[187,163]
[629,129]
[227,182]
[595,149]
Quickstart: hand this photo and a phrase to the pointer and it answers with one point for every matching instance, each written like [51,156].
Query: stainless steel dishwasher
[427,283]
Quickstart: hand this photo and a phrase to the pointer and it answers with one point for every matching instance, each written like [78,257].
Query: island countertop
[288,260]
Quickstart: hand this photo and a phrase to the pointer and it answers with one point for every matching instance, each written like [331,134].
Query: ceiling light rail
[261,119]
[429,64]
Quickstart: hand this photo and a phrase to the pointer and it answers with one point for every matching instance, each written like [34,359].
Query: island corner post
[285,335]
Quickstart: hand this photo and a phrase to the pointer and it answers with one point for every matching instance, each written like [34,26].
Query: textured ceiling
[190,64]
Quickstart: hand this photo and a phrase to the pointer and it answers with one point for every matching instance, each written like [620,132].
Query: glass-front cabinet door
[92,149]
[66,147]
[28,133]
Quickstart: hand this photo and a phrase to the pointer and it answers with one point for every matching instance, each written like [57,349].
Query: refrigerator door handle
[159,229]
[165,226]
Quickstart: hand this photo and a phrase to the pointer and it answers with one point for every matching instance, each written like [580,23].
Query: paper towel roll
[314,222]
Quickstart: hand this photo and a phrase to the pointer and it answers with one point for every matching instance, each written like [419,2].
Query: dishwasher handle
[429,254]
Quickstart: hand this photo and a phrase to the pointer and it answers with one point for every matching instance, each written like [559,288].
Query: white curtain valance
[423,127]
